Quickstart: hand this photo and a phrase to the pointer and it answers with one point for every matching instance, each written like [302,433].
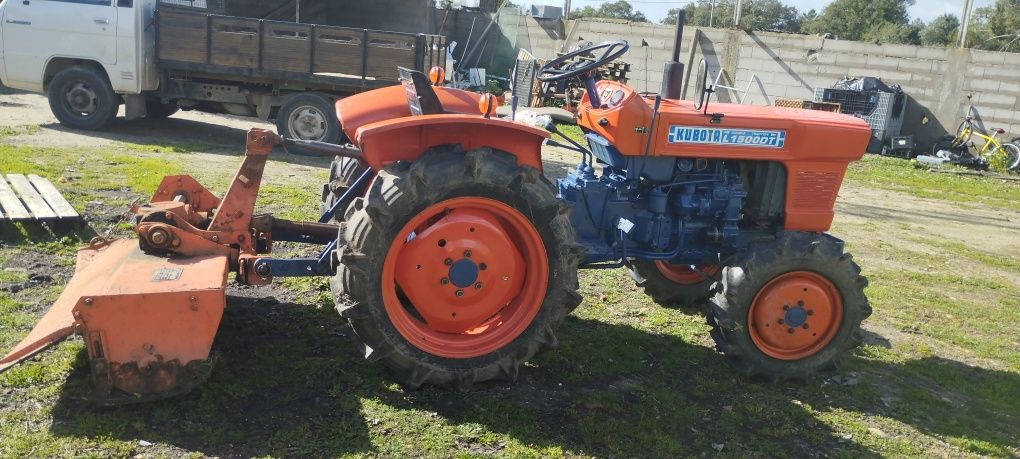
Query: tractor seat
[421,98]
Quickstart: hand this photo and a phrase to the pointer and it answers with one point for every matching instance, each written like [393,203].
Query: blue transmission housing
[682,210]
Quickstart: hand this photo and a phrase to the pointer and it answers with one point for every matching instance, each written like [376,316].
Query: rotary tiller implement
[148,309]
[454,258]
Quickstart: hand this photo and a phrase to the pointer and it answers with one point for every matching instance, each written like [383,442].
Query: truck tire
[674,285]
[432,319]
[81,98]
[308,116]
[155,109]
[789,308]
[343,172]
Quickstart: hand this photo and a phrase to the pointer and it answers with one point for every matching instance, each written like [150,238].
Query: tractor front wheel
[675,285]
[457,268]
[789,308]
[343,172]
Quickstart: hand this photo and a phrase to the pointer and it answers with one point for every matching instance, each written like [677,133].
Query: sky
[655,10]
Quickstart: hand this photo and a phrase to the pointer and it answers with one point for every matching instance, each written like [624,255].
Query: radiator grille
[815,189]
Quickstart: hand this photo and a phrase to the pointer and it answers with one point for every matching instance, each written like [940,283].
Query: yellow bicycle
[999,155]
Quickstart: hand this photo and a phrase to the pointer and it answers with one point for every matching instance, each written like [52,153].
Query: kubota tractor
[455,258]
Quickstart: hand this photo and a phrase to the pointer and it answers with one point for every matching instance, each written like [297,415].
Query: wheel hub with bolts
[307,123]
[81,99]
[795,315]
[464,272]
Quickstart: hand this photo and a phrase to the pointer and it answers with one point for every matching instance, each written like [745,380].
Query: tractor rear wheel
[789,308]
[675,285]
[457,268]
[343,172]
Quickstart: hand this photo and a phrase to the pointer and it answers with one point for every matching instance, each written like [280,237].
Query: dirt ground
[878,224]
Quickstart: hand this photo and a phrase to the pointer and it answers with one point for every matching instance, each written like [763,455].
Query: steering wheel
[704,89]
[612,50]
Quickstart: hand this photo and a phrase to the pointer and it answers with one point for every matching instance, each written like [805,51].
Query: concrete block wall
[392,15]
[937,80]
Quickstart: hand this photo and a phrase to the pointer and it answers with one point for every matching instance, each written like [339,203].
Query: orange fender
[391,102]
[404,139]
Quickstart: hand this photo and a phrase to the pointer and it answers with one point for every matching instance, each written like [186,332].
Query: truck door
[34,31]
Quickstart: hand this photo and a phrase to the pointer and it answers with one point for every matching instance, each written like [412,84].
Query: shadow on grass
[184,136]
[288,383]
[282,386]
[38,232]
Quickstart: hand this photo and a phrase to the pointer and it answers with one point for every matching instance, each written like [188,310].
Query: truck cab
[39,38]
[87,54]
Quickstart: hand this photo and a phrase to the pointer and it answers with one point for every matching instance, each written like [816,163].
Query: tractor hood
[723,130]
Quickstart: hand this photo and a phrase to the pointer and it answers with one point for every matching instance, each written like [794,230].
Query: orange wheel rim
[683,274]
[465,277]
[795,315]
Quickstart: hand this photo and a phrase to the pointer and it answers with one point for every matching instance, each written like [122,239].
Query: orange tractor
[455,258]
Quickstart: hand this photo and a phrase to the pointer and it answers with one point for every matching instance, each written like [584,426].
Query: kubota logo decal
[729,137]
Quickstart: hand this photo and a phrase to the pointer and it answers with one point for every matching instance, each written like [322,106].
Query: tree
[620,9]
[861,19]
[755,15]
[770,15]
[942,31]
[671,16]
[1004,24]
[909,34]
[808,16]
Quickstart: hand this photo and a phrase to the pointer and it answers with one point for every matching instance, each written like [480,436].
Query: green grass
[899,175]
[8,131]
[939,377]
[572,131]
[85,172]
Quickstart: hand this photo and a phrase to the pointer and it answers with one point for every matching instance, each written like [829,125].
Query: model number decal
[729,137]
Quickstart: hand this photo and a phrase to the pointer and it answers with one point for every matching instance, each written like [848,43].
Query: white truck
[158,56]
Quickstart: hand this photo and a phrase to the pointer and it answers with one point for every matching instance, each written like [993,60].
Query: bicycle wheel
[1011,155]
[963,134]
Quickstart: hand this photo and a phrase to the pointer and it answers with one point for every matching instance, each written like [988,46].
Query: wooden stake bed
[32,198]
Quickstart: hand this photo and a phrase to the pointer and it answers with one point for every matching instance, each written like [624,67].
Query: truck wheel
[81,98]
[457,268]
[343,172]
[308,116]
[155,109]
[674,285]
[789,308]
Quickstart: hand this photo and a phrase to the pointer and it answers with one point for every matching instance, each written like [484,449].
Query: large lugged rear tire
[343,172]
[789,308]
[674,285]
[468,233]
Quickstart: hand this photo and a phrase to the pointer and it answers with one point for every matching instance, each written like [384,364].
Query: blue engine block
[683,210]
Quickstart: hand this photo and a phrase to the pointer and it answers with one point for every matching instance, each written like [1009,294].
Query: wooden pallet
[32,198]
